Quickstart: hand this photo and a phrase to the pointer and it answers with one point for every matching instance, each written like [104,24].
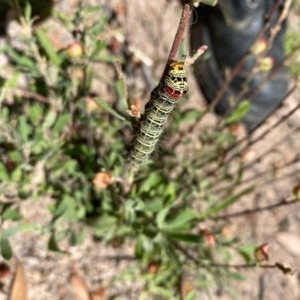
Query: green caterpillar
[171,88]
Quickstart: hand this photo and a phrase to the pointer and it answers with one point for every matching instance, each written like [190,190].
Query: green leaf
[5,248]
[9,84]
[11,214]
[68,208]
[17,174]
[191,295]
[22,60]
[3,173]
[186,237]
[24,128]
[152,205]
[61,123]
[5,114]
[53,244]
[35,114]
[241,110]
[48,47]
[161,216]
[247,252]
[181,221]
[207,2]
[58,212]
[102,224]
[190,115]
[234,275]
[77,238]
[49,119]
[27,12]
[213,210]
[151,183]
[107,107]
[20,227]
[97,48]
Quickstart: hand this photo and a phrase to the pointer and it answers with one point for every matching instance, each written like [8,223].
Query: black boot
[229,30]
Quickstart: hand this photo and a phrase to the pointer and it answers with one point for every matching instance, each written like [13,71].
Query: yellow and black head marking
[175,80]
[172,87]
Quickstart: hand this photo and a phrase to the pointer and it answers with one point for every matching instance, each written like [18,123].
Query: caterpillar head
[175,80]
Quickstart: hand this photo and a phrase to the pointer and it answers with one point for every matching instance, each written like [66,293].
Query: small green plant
[60,138]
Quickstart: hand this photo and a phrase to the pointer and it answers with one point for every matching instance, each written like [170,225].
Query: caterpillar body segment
[170,90]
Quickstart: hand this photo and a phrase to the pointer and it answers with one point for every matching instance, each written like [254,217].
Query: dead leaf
[102,180]
[135,109]
[209,238]
[296,191]
[249,155]
[75,50]
[262,252]
[290,241]
[18,289]
[91,105]
[153,267]
[4,270]
[259,46]
[186,288]
[80,288]
[99,294]
[285,269]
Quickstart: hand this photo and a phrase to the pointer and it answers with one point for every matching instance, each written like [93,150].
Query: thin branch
[186,13]
[242,213]
[27,94]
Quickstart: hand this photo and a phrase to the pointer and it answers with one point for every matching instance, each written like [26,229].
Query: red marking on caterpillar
[174,93]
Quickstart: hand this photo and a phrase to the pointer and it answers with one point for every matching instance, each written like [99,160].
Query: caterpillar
[169,91]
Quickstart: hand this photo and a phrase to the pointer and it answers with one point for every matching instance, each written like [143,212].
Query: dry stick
[185,16]
[242,213]
[35,96]
[196,261]
[123,84]
[282,17]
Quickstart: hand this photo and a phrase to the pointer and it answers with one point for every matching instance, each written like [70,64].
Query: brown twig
[27,94]
[185,16]
[242,213]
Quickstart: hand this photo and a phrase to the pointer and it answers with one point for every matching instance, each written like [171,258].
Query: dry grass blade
[18,290]
[80,289]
